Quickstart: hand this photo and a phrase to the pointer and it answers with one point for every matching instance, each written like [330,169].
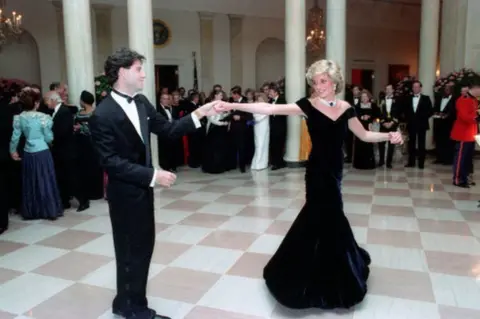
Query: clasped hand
[395,137]
[213,108]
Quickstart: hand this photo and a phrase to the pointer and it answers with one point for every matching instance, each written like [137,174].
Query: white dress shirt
[388,104]
[131,110]
[416,99]
[55,110]
[444,103]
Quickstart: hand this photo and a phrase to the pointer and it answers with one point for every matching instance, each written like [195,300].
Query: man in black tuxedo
[278,130]
[120,128]
[238,131]
[63,146]
[166,156]
[444,116]
[389,120]
[417,111]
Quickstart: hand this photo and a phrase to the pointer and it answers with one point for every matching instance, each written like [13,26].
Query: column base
[299,164]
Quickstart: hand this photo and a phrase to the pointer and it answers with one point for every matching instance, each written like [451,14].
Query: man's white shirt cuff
[152,183]
[196,121]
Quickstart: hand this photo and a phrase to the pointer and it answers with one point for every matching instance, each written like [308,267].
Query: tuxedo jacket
[392,116]
[244,117]
[448,111]
[63,146]
[278,123]
[418,120]
[125,155]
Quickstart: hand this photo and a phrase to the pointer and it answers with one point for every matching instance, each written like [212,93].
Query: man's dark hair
[274,87]
[474,82]
[419,83]
[54,86]
[122,58]
[236,90]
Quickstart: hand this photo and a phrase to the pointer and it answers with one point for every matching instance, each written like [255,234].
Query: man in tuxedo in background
[238,130]
[389,120]
[278,130]
[417,111]
[63,146]
[444,112]
[120,128]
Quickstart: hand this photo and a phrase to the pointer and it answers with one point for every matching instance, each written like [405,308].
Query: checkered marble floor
[215,234]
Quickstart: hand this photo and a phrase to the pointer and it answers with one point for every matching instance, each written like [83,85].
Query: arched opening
[20,59]
[270,61]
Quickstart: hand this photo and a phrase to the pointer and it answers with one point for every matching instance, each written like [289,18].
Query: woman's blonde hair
[330,68]
[261,95]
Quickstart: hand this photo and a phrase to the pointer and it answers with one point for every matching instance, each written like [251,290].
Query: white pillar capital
[140,36]
[78,48]
[295,55]
[336,33]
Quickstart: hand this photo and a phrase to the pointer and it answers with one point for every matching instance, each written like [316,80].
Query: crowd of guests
[455,126]
[46,156]
[45,152]
[229,140]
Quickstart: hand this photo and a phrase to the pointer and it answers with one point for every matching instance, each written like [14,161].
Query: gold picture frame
[162,33]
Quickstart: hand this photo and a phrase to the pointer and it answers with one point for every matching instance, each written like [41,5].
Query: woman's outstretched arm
[261,108]
[372,137]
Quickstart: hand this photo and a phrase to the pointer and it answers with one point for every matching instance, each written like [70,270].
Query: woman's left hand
[395,138]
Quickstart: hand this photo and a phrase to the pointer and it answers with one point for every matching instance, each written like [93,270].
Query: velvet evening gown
[319,264]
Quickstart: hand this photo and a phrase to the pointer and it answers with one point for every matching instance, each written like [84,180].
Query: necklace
[329,103]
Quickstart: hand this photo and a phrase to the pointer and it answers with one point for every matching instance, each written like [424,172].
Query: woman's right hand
[15,156]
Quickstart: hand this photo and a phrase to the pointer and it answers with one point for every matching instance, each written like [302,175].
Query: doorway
[166,76]
[363,78]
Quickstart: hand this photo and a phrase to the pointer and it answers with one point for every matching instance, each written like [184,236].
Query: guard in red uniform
[463,133]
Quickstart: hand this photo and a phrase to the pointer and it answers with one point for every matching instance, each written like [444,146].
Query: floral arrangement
[7,84]
[102,88]
[404,87]
[456,79]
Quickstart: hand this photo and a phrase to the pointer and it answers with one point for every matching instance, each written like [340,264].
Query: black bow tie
[126,97]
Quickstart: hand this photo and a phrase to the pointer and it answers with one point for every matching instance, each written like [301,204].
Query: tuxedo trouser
[444,146]
[278,138]
[4,194]
[133,229]
[415,136]
[462,162]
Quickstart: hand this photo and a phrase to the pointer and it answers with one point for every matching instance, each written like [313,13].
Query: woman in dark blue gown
[319,264]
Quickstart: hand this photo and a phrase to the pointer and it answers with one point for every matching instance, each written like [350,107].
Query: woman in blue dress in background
[40,196]
[319,263]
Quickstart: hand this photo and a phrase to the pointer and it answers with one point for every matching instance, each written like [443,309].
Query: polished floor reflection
[215,234]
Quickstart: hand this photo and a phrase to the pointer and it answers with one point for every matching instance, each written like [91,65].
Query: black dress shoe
[147,314]
[83,207]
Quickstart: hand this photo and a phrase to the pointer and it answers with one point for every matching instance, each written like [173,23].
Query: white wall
[185,27]
[39,20]
[377,31]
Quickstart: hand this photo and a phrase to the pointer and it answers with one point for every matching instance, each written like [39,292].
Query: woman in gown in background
[89,173]
[363,153]
[216,140]
[319,264]
[40,194]
[261,136]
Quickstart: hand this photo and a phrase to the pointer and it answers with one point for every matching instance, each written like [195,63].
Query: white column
[428,52]
[460,35]
[448,36]
[221,50]
[78,48]
[140,36]
[295,53]
[336,33]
